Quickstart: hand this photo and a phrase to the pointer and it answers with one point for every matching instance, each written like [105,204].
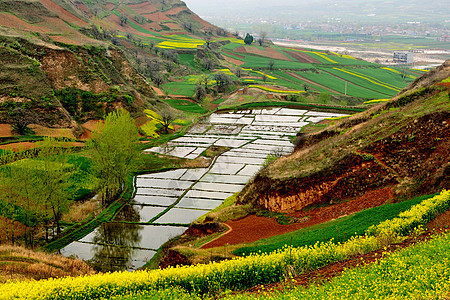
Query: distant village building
[403,57]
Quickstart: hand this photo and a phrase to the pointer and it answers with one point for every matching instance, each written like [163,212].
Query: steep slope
[67,62]
[402,144]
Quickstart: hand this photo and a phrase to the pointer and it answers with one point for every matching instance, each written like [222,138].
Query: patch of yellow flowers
[370,79]
[235,274]
[264,88]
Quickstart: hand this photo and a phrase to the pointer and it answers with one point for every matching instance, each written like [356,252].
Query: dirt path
[253,228]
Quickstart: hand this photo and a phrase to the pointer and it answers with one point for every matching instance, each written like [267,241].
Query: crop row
[264,88]
[233,274]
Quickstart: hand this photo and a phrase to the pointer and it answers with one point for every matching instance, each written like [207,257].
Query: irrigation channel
[151,219]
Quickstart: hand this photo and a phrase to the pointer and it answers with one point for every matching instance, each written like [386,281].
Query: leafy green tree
[115,151]
[19,182]
[165,119]
[248,40]
[52,182]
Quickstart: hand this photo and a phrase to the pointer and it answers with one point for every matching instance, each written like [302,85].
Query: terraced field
[166,203]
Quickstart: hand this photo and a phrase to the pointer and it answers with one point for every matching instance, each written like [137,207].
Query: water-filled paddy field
[166,203]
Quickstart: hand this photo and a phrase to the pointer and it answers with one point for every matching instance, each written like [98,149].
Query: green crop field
[179,88]
[338,85]
[185,105]
[352,76]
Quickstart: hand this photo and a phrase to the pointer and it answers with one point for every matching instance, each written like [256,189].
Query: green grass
[254,62]
[339,230]
[338,85]
[219,101]
[17,213]
[296,83]
[83,182]
[185,105]
[387,76]
[377,87]
[179,88]
[187,59]
[151,162]
[2,152]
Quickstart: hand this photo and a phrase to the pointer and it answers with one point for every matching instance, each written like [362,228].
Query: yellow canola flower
[368,78]
[264,74]
[264,88]
[343,55]
[397,72]
[182,44]
[236,273]
[227,71]
[375,101]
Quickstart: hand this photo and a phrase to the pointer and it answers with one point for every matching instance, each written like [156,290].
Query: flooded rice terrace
[165,203]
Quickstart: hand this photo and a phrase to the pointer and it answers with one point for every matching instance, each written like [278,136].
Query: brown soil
[86,135]
[201,21]
[233,60]
[53,132]
[175,10]
[173,26]
[234,54]
[157,16]
[62,13]
[9,20]
[126,27]
[303,57]
[143,8]
[418,150]
[91,125]
[267,52]
[253,228]
[158,91]
[5,130]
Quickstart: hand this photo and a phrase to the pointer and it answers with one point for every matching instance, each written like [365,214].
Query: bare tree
[157,78]
[208,41]
[222,81]
[166,119]
[238,72]
[21,118]
[271,64]
[262,38]
[200,92]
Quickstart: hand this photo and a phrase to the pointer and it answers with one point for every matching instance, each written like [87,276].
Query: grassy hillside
[118,53]
[399,143]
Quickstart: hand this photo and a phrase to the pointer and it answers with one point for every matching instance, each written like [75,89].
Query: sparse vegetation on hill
[398,143]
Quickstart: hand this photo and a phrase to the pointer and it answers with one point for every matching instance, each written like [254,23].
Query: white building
[403,57]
